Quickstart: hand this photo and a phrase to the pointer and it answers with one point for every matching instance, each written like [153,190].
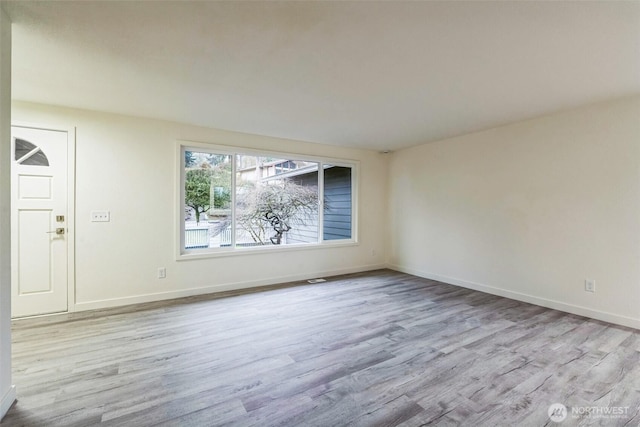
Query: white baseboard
[7,400]
[139,299]
[531,299]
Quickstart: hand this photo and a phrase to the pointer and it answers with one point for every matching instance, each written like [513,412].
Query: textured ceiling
[378,75]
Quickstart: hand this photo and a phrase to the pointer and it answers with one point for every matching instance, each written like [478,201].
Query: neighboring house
[337,206]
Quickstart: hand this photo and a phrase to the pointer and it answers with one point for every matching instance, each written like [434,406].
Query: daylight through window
[238,200]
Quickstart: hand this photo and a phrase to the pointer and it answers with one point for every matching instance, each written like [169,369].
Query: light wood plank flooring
[372,349]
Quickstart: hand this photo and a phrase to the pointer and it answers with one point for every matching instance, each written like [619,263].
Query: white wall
[7,391]
[529,210]
[127,165]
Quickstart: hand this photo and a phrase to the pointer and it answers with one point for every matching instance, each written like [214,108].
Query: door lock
[59,231]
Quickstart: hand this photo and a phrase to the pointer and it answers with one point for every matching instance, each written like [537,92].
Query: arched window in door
[29,154]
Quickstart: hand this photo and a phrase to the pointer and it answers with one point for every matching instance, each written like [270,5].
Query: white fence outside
[196,238]
[202,237]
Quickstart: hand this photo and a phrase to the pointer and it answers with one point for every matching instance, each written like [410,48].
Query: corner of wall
[7,390]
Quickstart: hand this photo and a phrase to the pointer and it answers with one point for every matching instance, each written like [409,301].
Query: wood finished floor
[372,349]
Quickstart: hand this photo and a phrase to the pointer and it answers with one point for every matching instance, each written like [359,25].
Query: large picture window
[243,199]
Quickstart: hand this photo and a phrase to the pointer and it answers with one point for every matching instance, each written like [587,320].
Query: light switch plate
[100,216]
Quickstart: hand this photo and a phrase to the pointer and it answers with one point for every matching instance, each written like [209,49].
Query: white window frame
[187,254]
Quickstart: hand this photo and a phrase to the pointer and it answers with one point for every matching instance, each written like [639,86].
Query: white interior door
[39,221]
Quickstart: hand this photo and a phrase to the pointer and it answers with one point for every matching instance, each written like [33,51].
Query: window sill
[258,250]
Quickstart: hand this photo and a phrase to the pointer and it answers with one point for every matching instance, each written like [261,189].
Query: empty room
[319,213]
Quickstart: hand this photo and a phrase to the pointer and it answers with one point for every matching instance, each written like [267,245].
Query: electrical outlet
[162,273]
[100,216]
[590,285]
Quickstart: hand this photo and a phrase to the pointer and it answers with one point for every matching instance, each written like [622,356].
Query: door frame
[71,205]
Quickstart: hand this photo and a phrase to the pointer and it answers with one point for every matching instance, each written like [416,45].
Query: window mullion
[320,202]
[233,200]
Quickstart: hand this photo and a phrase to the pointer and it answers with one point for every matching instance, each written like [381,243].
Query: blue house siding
[337,206]
[337,203]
